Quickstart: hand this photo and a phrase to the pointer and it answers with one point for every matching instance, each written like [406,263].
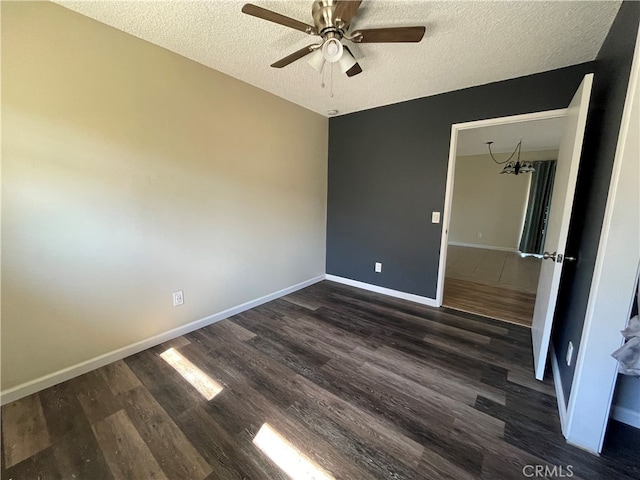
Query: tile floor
[492,267]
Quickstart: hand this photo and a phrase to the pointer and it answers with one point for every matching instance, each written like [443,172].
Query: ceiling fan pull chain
[331,81]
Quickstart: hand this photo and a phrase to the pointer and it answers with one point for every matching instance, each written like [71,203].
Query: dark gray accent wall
[612,70]
[388,168]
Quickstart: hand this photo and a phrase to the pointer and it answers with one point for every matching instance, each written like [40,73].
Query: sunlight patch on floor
[202,382]
[288,458]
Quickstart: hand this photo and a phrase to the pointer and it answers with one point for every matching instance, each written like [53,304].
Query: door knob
[547,256]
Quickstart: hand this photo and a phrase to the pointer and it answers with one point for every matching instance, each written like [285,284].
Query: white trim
[68,373]
[385,291]
[446,215]
[557,382]
[626,415]
[448,197]
[486,247]
[525,117]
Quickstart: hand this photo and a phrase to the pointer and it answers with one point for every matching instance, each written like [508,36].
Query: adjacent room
[498,217]
[271,241]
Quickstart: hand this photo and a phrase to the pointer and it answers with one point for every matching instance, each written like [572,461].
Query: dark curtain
[535,223]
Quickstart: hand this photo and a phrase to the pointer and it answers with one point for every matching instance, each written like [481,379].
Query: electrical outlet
[378,267]
[178,298]
[569,354]
[479,234]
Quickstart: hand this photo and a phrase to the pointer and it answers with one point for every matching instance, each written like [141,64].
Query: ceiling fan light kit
[332,19]
[316,60]
[347,62]
[332,50]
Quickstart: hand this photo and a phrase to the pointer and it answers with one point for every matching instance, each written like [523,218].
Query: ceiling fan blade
[346,9]
[283,62]
[356,69]
[274,17]
[393,34]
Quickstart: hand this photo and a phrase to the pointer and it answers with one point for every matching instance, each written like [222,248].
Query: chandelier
[513,167]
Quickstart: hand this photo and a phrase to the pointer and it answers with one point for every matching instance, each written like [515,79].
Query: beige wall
[129,172]
[489,203]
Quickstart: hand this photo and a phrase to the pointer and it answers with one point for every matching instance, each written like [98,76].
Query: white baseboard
[486,247]
[557,382]
[626,415]
[68,373]
[385,291]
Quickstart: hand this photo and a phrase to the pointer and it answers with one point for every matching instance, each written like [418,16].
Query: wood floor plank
[173,451]
[551,447]
[228,331]
[470,352]
[528,380]
[302,300]
[176,343]
[256,458]
[419,323]
[63,411]
[472,322]
[417,421]
[297,355]
[311,346]
[41,465]
[325,332]
[381,454]
[126,452]
[74,447]
[493,301]
[96,399]
[24,429]
[172,391]
[217,446]
[484,424]
[325,454]
[78,455]
[462,388]
[510,463]
[119,377]
[435,466]
[358,421]
[263,370]
[409,310]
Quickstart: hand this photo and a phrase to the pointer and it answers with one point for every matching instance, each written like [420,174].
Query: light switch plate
[435,217]
[378,267]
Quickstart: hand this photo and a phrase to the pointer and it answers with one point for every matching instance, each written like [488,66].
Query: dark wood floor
[362,385]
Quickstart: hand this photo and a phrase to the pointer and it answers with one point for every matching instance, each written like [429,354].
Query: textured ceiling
[535,135]
[467,43]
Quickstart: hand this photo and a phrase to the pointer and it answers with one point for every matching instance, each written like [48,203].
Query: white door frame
[448,198]
[616,270]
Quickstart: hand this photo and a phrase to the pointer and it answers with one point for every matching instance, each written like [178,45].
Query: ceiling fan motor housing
[323,12]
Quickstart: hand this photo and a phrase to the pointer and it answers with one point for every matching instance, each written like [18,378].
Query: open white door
[558,223]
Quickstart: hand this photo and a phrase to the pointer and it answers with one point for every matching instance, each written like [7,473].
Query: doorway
[496,221]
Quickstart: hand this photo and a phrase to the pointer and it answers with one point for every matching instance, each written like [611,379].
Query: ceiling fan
[331,21]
